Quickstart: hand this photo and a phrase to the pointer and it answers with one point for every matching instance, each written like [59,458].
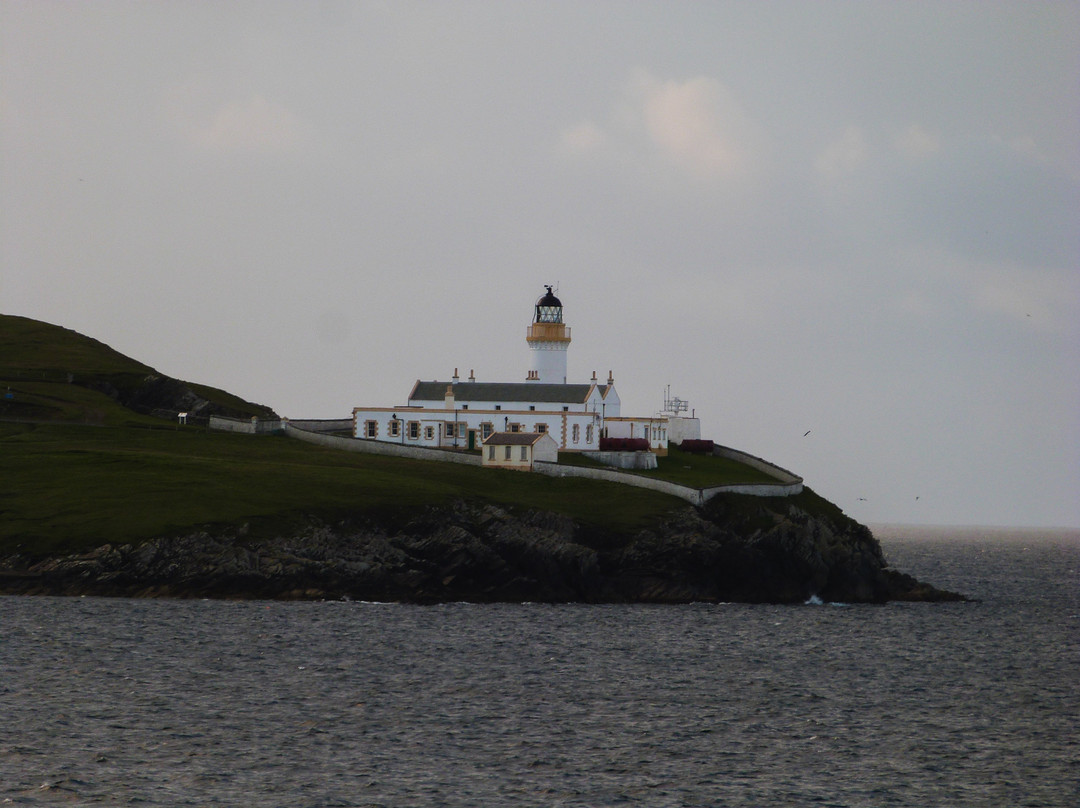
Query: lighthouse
[548,337]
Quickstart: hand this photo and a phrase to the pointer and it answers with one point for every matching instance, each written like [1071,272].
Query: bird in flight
[807,432]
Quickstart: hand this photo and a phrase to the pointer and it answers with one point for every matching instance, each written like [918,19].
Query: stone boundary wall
[695,496]
[691,495]
[625,460]
[223,424]
[249,426]
[783,475]
[381,448]
[753,490]
[323,424]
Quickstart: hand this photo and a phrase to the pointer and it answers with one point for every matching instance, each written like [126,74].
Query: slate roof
[505,391]
[513,438]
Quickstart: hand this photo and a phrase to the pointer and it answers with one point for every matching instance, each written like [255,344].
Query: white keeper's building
[462,414]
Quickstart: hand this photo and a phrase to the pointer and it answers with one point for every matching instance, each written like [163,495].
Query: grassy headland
[78,468]
[70,487]
[98,497]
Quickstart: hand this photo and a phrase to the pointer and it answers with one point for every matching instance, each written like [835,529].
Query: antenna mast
[674,405]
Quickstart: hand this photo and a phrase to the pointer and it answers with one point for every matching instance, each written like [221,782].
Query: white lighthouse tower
[548,339]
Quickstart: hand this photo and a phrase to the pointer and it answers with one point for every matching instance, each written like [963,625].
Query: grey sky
[861,219]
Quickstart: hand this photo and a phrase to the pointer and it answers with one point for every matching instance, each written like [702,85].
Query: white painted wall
[626,460]
[381,448]
[655,429]
[548,359]
[560,425]
[546,450]
[680,429]
[610,405]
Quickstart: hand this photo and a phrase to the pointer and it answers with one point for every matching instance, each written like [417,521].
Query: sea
[217,703]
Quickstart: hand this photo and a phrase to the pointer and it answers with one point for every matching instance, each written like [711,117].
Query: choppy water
[176,703]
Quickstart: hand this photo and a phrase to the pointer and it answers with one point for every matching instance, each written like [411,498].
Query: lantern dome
[548,308]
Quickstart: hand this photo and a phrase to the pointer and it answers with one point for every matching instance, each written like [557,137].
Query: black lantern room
[548,308]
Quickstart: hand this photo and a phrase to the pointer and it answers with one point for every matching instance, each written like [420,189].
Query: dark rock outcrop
[738,548]
[164,396]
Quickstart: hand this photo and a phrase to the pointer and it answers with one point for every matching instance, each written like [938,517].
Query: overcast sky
[859,219]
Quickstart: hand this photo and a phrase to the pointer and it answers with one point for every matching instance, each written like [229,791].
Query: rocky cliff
[738,548]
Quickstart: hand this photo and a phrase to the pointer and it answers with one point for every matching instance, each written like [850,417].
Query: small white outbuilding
[519,450]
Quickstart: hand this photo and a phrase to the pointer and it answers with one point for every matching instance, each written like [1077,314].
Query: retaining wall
[248,426]
[783,475]
[625,460]
[695,496]
[691,495]
[223,424]
[381,448]
[323,424]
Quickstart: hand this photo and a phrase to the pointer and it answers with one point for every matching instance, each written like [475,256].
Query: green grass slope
[50,373]
[33,348]
[65,488]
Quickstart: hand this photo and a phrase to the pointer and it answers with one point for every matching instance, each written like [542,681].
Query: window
[524,452]
[464,406]
[414,430]
[455,430]
[645,432]
[588,434]
[541,428]
[532,406]
[498,406]
[566,409]
[491,453]
[395,428]
[506,453]
[486,429]
[429,433]
[515,427]
[576,433]
[371,429]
